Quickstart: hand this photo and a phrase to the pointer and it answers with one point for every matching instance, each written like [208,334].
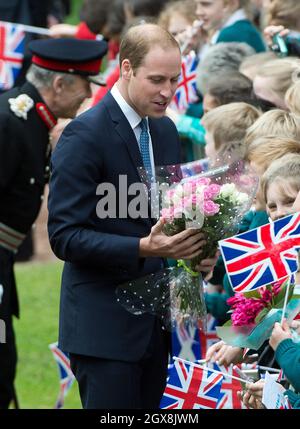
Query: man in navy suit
[119,359]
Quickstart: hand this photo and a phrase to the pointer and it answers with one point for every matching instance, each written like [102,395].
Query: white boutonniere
[21,105]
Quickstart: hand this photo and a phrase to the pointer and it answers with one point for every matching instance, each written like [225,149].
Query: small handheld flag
[191,387]
[263,255]
[65,373]
[186,91]
[12,45]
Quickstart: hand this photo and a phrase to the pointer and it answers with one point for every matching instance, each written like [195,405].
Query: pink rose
[210,208]
[168,214]
[211,191]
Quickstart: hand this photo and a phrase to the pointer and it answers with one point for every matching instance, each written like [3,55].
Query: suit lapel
[125,132]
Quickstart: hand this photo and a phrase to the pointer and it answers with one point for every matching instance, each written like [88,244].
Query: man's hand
[279,334]
[224,354]
[185,245]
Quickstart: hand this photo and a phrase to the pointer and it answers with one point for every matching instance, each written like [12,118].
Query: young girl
[280,185]
[228,21]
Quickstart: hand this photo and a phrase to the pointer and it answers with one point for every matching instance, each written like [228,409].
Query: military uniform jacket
[24,157]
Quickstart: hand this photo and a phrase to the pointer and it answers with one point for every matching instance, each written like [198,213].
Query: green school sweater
[287,355]
[243,31]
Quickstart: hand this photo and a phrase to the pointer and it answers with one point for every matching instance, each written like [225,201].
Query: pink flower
[168,214]
[203,181]
[245,309]
[210,208]
[266,295]
[211,191]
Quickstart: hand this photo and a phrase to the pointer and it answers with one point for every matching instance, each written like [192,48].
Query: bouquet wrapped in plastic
[253,314]
[190,196]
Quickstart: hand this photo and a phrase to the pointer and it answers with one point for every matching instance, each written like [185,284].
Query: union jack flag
[186,91]
[263,255]
[185,342]
[209,337]
[12,45]
[190,387]
[228,396]
[65,373]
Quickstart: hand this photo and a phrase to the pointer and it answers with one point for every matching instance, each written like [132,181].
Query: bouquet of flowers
[214,202]
[212,208]
[253,314]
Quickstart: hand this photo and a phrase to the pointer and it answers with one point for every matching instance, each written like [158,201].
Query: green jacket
[287,355]
[243,31]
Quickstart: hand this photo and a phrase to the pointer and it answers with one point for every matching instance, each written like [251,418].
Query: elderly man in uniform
[57,83]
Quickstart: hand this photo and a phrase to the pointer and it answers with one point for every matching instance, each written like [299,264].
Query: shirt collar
[133,118]
[238,15]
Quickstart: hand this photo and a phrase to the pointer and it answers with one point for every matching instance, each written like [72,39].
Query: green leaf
[252,294]
[261,315]
[279,299]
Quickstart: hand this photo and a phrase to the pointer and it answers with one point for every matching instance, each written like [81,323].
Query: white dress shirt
[134,120]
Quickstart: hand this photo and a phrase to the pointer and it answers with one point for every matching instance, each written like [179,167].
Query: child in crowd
[260,155]
[292,99]
[229,21]
[226,128]
[280,186]
[274,78]
[279,123]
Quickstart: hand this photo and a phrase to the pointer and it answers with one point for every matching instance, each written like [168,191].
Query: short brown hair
[284,13]
[292,99]
[264,150]
[138,41]
[228,124]
[276,122]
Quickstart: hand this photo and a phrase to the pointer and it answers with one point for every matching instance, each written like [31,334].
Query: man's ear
[126,69]
[58,84]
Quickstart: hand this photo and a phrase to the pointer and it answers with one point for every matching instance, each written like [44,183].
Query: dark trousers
[8,362]
[111,384]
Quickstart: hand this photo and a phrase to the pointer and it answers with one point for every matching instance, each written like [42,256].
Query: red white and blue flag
[263,255]
[190,387]
[185,342]
[209,337]
[65,373]
[186,91]
[12,45]
[228,396]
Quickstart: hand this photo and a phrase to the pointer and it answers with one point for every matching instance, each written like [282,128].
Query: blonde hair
[276,122]
[292,98]
[250,65]
[287,168]
[228,125]
[187,9]
[284,13]
[281,72]
[264,150]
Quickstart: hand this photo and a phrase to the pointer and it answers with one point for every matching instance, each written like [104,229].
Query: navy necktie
[144,148]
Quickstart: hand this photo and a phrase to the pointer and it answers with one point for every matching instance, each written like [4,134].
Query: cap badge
[21,105]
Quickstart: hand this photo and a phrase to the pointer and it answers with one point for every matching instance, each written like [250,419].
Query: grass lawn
[37,381]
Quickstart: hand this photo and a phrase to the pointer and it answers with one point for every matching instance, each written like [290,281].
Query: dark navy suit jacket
[100,254]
